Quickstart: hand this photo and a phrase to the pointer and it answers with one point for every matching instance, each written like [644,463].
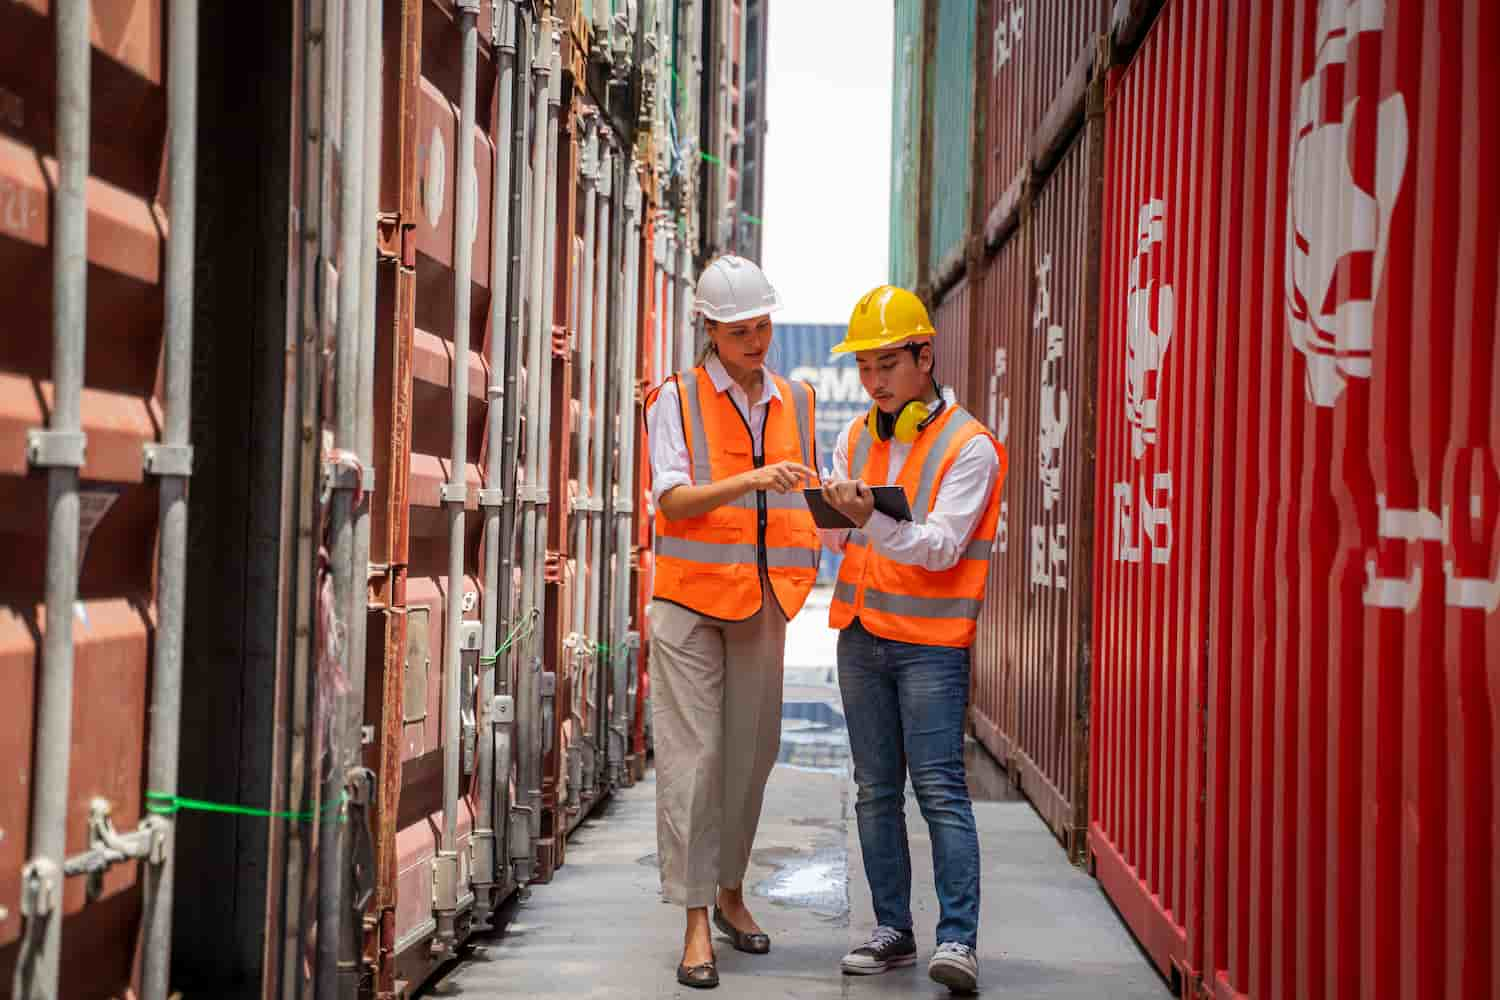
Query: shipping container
[1351,742]
[948,144]
[1042,57]
[1002,330]
[1051,491]
[907,110]
[953,320]
[1062,46]
[1159,347]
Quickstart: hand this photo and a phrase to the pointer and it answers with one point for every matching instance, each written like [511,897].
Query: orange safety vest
[911,603]
[712,564]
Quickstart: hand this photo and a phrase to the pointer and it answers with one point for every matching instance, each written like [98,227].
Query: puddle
[814,737]
[817,882]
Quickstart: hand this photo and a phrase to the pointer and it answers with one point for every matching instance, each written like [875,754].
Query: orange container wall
[121,412]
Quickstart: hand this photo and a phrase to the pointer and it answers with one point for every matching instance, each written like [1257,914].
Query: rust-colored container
[121,412]
[1042,57]
[1001,328]
[1159,347]
[952,319]
[1063,45]
[1351,777]
[1051,491]
[415,325]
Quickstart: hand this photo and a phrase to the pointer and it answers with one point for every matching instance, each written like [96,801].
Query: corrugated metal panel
[1352,768]
[1162,205]
[801,351]
[1061,41]
[120,412]
[1003,329]
[950,111]
[1006,163]
[906,123]
[1051,493]
[953,319]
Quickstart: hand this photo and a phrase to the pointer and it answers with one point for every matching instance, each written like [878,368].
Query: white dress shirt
[670,464]
[961,499]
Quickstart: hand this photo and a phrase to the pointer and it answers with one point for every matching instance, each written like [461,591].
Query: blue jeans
[905,706]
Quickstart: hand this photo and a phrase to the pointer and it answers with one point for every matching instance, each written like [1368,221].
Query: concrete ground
[600,928]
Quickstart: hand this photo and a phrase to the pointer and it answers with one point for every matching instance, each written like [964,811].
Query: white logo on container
[1343,189]
[1000,424]
[1049,541]
[1150,318]
[1007,38]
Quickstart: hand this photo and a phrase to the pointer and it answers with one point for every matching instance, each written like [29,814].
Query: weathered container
[1050,491]
[1351,740]
[949,137]
[121,411]
[953,319]
[1042,57]
[1001,331]
[1006,163]
[1062,40]
[907,109]
[1159,345]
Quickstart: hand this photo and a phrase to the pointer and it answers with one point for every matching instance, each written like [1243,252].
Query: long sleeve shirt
[961,499]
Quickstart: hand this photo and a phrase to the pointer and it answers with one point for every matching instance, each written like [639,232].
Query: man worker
[906,603]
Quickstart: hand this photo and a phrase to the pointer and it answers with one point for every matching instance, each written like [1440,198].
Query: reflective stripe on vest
[713,563]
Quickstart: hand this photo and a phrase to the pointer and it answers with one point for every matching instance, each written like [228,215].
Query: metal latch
[362,795]
[168,459]
[445,881]
[107,847]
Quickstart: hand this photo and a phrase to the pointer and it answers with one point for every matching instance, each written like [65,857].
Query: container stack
[1234,321]
[385,281]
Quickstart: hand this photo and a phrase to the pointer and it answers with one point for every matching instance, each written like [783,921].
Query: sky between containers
[828,162]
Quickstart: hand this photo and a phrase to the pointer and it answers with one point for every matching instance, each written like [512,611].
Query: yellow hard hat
[886,317]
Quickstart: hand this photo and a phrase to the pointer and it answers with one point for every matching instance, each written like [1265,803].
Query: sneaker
[955,966]
[887,948]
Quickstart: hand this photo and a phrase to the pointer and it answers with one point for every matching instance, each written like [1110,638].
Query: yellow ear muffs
[904,426]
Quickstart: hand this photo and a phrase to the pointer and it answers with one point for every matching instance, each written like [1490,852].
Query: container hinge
[362,791]
[468,7]
[455,493]
[108,848]
[533,494]
[55,449]
[624,509]
[168,459]
[491,499]
[589,504]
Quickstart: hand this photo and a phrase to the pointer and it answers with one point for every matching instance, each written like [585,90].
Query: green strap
[752,219]
[168,805]
[523,629]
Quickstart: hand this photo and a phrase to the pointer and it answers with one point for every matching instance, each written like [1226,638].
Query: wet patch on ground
[816,880]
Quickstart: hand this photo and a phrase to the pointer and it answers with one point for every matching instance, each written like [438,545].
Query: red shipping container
[1323,595]
[1350,834]
[1158,350]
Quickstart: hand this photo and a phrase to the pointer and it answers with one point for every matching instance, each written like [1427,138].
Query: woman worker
[731,447]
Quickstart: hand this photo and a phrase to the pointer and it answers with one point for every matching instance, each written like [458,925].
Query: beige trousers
[716,696]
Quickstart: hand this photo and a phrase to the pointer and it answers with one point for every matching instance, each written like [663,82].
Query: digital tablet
[889,500]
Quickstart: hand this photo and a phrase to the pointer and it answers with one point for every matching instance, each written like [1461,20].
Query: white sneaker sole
[954,976]
[876,969]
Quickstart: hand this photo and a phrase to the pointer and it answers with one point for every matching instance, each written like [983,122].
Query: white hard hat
[732,289]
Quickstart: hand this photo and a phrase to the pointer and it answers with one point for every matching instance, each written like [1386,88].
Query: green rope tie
[523,629]
[166,804]
[753,220]
[711,158]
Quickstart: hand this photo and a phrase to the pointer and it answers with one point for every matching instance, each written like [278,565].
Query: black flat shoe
[699,977]
[753,944]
